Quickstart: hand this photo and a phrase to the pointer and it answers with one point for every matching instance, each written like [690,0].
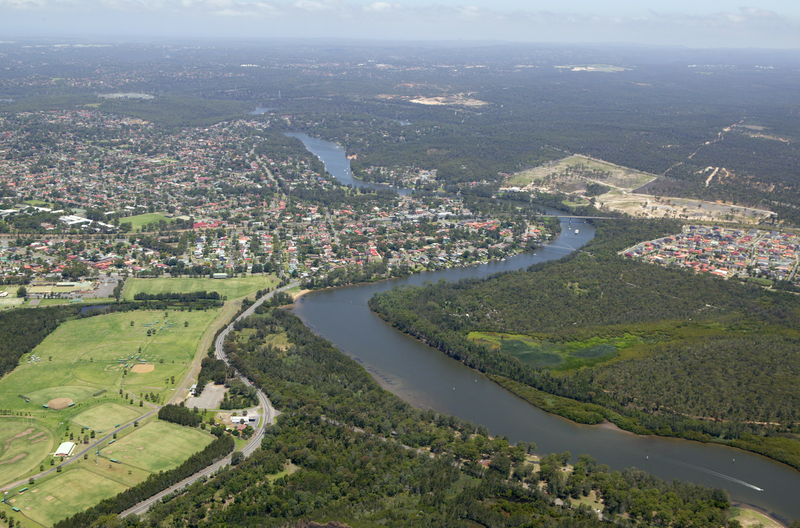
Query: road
[268,415]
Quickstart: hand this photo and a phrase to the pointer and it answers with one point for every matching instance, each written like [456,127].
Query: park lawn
[23,454]
[82,356]
[232,288]
[38,203]
[157,446]
[591,500]
[72,491]
[148,218]
[105,416]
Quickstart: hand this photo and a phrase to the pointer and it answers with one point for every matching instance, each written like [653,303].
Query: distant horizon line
[50,40]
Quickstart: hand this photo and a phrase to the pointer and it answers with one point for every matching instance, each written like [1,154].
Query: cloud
[378,7]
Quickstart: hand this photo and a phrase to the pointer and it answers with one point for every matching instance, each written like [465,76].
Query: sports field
[72,491]
[105,416]
[83,362]
[153,447]
[139,220]
[233,287]
[11,299]
[85,356]
[157,446]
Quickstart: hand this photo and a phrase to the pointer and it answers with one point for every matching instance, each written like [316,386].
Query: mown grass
[138,221]
[34,446]
[157,446]
[72,491]
[105,416]
[82,357]
[79,360]
[233,287]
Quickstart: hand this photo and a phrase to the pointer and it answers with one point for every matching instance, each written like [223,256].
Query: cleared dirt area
[573,173]
[647,206]
[443,100]
[612,188]
[59,403]
[143,369]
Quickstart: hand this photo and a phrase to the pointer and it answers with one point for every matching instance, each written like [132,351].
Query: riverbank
[427,379]
[752,516]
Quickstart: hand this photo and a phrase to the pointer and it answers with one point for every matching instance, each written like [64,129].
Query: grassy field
[157,446]
[749,518]
[23,445]
[80,361]
[11,300]
[148,218]
[38,203]
[153,447]
[72,491]
[105,416]
[83,357]
[233,288]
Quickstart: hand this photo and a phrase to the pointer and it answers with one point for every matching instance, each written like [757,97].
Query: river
[429,379]
[337,164]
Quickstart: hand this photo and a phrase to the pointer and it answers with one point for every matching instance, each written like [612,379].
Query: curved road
[269,415]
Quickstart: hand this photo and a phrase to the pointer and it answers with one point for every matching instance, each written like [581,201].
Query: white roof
[65,449]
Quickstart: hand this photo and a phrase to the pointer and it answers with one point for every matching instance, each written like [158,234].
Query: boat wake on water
[709,472]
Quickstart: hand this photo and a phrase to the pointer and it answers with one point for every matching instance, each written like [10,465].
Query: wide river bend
[429,379]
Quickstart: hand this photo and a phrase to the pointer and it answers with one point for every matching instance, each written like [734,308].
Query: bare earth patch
[12,460]
[26,432]
[59,403]
[49,498]
[142,369]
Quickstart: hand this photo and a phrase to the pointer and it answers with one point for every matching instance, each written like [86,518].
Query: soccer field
[157,446]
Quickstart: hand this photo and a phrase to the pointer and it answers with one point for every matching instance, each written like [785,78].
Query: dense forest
[179,415]
[345,450]
[652,349]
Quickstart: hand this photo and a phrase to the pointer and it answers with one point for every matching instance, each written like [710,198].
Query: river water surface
[429,379]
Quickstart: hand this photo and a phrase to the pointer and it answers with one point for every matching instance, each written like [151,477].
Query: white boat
[576,231]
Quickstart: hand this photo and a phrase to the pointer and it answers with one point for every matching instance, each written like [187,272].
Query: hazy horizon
[713,24]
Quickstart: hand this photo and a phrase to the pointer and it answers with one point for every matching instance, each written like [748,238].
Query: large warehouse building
[65,449]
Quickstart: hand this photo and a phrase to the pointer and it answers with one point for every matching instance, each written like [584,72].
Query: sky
[690,23]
